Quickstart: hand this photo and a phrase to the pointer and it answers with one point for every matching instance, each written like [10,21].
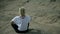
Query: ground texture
[45,15]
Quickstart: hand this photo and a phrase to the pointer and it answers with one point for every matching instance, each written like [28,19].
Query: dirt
[45,16]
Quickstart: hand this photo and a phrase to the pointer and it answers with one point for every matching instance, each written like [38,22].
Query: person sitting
[21,23]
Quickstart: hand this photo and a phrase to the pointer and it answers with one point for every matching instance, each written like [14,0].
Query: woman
[21,23]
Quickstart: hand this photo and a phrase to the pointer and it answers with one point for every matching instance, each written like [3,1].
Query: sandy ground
[45,16]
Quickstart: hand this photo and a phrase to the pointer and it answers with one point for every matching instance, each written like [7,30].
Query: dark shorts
[16,28]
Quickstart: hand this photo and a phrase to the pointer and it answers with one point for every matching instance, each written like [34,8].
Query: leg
[16,28]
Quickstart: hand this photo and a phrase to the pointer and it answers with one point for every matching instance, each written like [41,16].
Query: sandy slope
[45,16]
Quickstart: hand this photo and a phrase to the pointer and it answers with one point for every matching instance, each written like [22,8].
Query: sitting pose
[21,23]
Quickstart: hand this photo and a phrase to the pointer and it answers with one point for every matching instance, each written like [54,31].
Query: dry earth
[45,15]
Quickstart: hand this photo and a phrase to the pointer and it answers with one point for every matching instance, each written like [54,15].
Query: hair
[21,9]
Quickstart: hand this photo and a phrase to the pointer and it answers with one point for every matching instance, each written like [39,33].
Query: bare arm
[12,22]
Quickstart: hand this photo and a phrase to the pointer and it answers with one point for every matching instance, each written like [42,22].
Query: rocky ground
[45,15]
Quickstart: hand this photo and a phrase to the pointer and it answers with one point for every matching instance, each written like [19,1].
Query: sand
[45,16]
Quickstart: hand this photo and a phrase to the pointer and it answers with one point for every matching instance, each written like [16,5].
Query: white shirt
[21,23]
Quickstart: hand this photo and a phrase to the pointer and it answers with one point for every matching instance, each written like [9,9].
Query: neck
[22,16]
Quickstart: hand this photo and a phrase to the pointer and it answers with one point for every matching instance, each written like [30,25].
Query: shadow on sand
[32,31]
